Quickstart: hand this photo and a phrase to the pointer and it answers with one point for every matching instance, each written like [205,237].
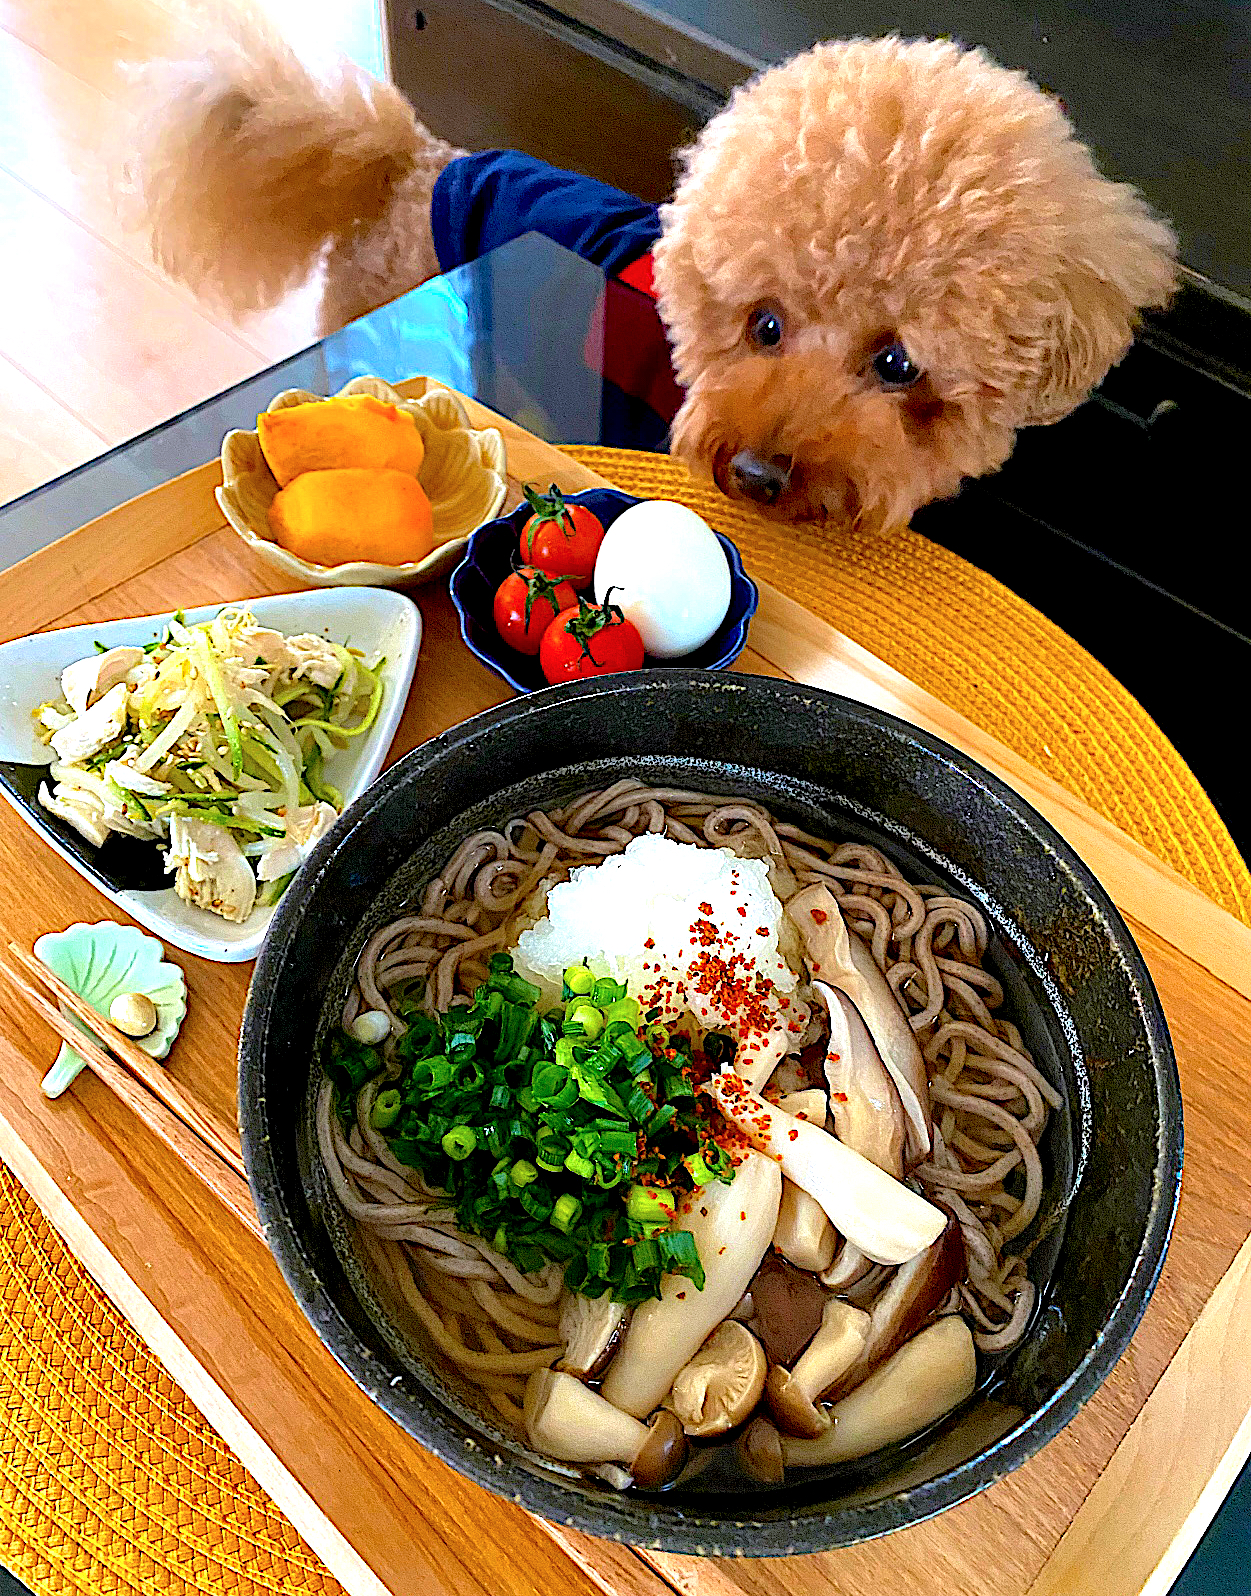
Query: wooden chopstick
[208,1126]
[228,1187]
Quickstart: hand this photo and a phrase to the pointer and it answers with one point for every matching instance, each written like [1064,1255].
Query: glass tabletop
[523,329]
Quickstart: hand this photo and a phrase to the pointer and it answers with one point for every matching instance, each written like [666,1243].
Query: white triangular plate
[371,619]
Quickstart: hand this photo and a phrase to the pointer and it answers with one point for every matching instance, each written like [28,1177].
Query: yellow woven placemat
[111,1482]
[974,645]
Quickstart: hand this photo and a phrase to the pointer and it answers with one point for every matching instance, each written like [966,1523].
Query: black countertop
[1161,91]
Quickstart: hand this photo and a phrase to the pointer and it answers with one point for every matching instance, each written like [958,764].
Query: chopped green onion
[537,1201]
[659,1120]
[459,1142]
[624,1011]
[648,1204]
[386,1109]
[551,1155]
[606,991]
[577,1165]
[431,1075]
[565,1212]
[554,1086]
[588,1018]
[645,1255]
[639,1105]
[523,1173]
[579,980]
[616,1141]
[681,1256]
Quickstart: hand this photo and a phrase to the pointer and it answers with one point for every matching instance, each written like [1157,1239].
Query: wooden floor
[95,343]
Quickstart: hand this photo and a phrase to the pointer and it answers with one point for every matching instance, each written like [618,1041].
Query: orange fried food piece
[324,435]
[331,517]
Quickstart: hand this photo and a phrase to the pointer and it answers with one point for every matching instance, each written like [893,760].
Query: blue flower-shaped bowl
[492,553]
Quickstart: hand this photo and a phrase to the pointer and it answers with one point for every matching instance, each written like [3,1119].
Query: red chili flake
[839,1097]
[762,930]
[819,915]
[792,1134]
[649,944]
[720,1250]
[815,967]
[703,1213]
[681,1296]
[742,910]
[705,908]
[743,1216]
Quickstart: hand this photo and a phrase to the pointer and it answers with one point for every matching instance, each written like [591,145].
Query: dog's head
[882,259]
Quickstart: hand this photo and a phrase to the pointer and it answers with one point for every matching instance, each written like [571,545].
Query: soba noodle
[990,1101]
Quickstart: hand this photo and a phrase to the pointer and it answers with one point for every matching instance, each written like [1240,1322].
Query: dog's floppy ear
[1123,261]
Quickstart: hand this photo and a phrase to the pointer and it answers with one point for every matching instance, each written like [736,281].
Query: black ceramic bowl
[492,554]
[1076,983]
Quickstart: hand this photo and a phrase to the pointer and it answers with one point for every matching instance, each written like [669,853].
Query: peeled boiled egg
[668,573]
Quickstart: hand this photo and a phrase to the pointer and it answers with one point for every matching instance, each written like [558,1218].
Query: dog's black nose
[765,480]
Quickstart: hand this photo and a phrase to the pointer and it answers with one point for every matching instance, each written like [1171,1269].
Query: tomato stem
[539,586]
[548,506]
[592,619]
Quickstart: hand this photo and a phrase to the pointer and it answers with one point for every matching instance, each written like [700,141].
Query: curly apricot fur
[866,190]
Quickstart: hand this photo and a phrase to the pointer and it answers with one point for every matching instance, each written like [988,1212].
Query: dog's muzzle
[763,480]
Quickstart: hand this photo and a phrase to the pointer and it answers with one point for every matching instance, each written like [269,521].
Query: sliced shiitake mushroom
[758,1452]
[789,1303]
[837,955]
[662,1455]
[924,1380]
[721,1384]
[916,1291]
[793,1394]
[864,1105]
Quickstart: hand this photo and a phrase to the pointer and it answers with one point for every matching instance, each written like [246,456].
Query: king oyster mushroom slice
[804,1235]
[838,956]
[917,1290]
[929,1376]
[883,1217]
[568,1421]
[721,1384]
[849,1266]
[864,1105]
[589,1327]
[732,1225]
[808,1103]
[793,1393]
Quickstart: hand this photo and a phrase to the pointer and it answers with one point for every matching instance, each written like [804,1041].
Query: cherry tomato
[590,640]
[561,539]
[526,604]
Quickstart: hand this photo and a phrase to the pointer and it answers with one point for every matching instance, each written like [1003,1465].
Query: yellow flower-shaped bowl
[463,473]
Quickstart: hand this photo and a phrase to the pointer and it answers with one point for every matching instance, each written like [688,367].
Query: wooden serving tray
[1113,1506]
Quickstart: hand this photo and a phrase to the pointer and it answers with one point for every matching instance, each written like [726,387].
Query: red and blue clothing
[483,201]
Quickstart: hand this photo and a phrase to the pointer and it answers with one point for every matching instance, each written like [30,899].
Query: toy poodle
[882,257]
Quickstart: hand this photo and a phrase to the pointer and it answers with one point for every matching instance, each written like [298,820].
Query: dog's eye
[894,367]
[764,328]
